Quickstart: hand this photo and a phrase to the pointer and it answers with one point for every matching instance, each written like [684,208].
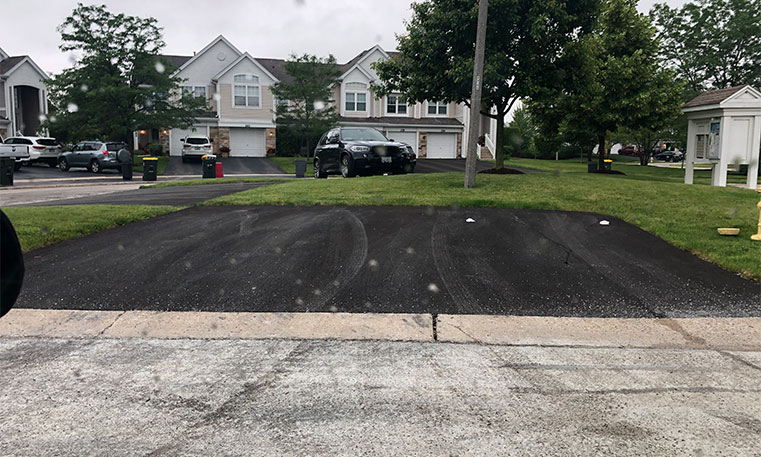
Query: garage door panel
[247,142]
[441,146]
[404,137]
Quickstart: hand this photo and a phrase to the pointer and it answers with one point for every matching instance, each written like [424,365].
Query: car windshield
[197,140]
[47,141]
[362,135]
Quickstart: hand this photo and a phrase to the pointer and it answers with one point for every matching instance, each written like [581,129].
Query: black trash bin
[6,171]
[125,164]
[301,168]
[150,165]
[209,162]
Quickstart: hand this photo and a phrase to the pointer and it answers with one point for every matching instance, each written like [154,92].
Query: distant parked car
[669,156]
[353,151]
[195,147]
[629,150]
[96,156]
[44,150]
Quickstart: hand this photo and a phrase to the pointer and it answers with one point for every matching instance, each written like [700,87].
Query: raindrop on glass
[72,107]
[319,105]
[160,67]
[217,97]
[373,264]
[333,309]
[44,230]
[84,87]
[410,251]
[53,118]
[317,292]
[278,250]
[42,118]
[187,264]
[233,261]
[120,247]
[299,301]
[433,288]
[336,283]
[299,282]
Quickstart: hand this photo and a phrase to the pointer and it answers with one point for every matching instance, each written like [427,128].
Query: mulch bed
[502,171]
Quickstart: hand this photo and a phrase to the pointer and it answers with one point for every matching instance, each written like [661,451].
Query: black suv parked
[355,151]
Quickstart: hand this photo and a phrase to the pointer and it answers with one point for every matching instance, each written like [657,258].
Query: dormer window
[246,91]
[355,97]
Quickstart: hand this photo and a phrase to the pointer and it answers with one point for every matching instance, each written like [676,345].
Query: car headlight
[359,149]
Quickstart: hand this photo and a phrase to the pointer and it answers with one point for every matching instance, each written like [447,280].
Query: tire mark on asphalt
[357,236]
[463,299]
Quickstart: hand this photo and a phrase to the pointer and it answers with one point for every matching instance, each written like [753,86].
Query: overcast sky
[264,28]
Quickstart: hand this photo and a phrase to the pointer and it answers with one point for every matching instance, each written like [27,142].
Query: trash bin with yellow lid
[150,168]
[607,164]
[209,163]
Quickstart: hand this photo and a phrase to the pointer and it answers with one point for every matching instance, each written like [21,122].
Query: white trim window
[437,108]
[194,91]
[246,91]
[396,105]
[355,98]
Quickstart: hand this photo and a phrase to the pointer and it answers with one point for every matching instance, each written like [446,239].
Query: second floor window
[437,108]
[396,104]
[194,91]
[356,97]
[246,91]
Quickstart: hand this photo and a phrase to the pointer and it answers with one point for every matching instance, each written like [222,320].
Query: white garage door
[442,146]
[175,141]
[247,142]
[405,137]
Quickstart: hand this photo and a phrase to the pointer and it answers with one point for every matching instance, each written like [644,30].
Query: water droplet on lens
[299,301]
[373,264]
[44,230]
[298,282]
[333,309]
[42,118]
[72,107]
[319,106]
[84,88]
[278,250]
[221,292]
[336,283]
[233,261]
[217,97]
[160,67]
[317,292]
[187,264]
[410,251]
[120,247]
[433,288]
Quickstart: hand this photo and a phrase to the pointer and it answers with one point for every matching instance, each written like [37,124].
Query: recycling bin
[301,168]
[209,163]
[150,166]
[6,171]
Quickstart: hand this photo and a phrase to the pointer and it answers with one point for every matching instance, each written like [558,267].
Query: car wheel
[95,166]
[347,167]
[63,164]
[319,172]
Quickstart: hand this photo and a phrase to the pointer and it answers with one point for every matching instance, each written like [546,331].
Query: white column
[719,174]
[689,172]
[755,156]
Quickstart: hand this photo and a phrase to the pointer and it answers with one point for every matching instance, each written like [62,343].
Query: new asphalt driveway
[383,259]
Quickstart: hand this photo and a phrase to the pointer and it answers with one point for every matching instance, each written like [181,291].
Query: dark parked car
[96,156]
[669,156]
[353,151]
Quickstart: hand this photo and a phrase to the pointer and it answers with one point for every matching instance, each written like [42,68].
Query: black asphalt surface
[173,196]
[454,165]
[42,171]
[383,259]
[232,165]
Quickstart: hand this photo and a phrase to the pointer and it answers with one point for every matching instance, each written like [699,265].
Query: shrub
[156,150]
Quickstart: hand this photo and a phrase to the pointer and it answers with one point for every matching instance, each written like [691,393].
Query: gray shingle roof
[434,121]
[9,63]
[713,97]
[176,61]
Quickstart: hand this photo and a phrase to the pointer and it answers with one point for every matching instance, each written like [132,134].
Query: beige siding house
[23,95]
[241,105]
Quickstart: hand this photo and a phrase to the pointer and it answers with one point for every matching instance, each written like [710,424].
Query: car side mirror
[211,140]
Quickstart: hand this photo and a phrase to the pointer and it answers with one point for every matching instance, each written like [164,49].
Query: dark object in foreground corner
[502,171]
[11,265]
[6,171]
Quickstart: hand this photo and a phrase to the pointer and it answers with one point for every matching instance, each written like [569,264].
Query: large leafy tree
[118,83]
[623,84]
[712,44]
[305,107]
[527,44]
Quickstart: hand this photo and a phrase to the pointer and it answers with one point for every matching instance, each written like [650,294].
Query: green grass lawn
[160,167]
[199,182]
[685,216]
[288,164]
[38,226]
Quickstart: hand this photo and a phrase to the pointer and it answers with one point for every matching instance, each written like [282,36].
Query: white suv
[43,150]
[195,147]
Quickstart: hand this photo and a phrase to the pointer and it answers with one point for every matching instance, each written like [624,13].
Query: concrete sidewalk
[82,383]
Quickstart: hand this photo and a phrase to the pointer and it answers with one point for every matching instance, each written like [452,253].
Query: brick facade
[270,141]
[422,145]
[459,145]
[220,136]
[164,141]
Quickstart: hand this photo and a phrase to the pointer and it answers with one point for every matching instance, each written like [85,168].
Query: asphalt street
[232,165]
[384,260]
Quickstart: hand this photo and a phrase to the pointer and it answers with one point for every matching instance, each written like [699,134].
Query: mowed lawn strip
[201,182]
[38,226]
[685,216]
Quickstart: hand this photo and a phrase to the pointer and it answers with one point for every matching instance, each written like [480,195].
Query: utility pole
[474,130]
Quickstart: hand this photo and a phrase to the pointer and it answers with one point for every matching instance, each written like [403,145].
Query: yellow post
[757,236]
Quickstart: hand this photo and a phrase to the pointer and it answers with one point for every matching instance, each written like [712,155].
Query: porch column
[752,182]
[689,172]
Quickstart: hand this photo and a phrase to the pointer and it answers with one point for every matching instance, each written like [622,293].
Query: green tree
[526,44]
[305,107]
[622,85]
[712,44]
[119,82]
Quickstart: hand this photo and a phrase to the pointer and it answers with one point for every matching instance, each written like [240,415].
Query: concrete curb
[737,334]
